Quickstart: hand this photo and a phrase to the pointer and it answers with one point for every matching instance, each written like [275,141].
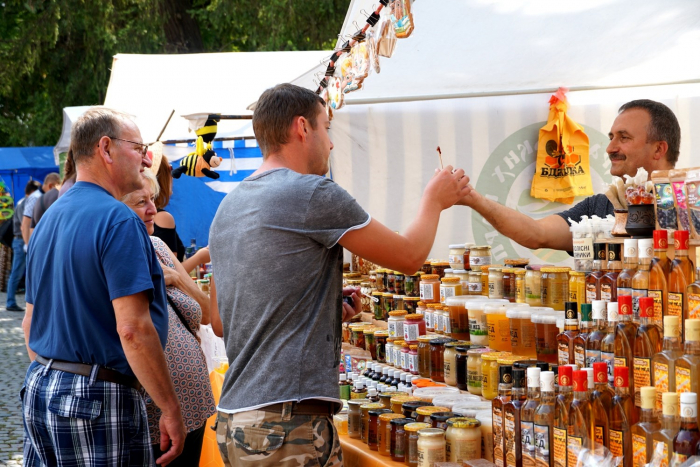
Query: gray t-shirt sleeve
[598,205]
[331,213]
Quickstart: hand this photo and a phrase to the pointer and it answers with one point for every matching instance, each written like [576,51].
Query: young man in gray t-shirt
[276,245]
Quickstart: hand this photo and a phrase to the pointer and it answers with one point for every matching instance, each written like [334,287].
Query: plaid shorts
[72,420]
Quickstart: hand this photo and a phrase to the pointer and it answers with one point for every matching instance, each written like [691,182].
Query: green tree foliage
[58,53]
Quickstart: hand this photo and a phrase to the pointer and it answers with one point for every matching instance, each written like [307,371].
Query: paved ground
[13,364]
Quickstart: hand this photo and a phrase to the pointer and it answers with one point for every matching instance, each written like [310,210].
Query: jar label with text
[439,325]
[559,441]
[639,450]
[527,438]
[693,306]
[591,293]
[392,329]
[476,327]
[429,322]
[447,292]
[664,449]
[563,354]
[599,435]
[479,261]
[426,291]
[657,295]
[473,379]
[410,332]
[580,355]
[542,445]
[660,382]
[431,455]
[475,287]
[413,363]
[675,304]
[446,325]
[642,377]
[498,436]
[592,356]
[617,443]
[403,359]
[457,259]
[510,439]
[573,446]
[606,292]
[609,358]
[682,379]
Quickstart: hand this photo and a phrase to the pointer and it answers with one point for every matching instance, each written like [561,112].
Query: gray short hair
[663,126]
[93,125]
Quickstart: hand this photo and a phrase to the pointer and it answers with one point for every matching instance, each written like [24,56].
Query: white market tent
[475,78]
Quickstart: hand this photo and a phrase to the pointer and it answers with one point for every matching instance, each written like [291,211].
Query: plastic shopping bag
[212,346]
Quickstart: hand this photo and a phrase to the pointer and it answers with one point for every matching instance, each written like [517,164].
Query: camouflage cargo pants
[258,438]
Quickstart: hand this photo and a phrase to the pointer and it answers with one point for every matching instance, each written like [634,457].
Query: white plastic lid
[469,409]
[372,392]
[457,246]
[480,304]
[458,300]
[646,248]
[496,309]
[630,250]
[519,313]
[459,271]
[546,317]
[598,309]
[547,381]
[450,400]
[343,377]
[427,394]
[533,377]
[591,379]
[689,404]
[613,311]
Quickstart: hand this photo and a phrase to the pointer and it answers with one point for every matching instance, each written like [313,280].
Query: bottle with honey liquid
[659,270]
[640,280]
[601,404]
[642,445]
[581,340]
[629,269]
[686,440]
[607,345]
[544,421]
[511,419]
[620,437]
[581,425]
[647,343]
[593,278]
[661,252]
[625,335]
[694,297]
[663,364]
[344,386]
[565,340]
[688,366]
[608,283]
[505,388]
[527,417]
[561,415]
[670,424]
[681,276]
[597,333]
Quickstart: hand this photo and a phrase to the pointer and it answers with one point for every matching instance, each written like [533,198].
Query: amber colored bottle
[544,421]
[681,276]
[505,387]
[688,366]
[640,280]
[607,345]
[580,430]
[597,333]
[663,364]
[565,340]
[608,283]
[670,424]
[593,278]
[658,276]
[694,297]
[661,251]
[625,335]
[527,417]
[601,403]
[686,440]
[629,269]
[511,419]
[561,416]
[581,340]
[620,438]
[642,431]
[647,343]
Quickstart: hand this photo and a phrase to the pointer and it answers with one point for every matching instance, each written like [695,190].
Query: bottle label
[345,391]
[446,328]
[682,380]
[573,446]
[620,361]
[657,295]
[431,455]
[636,295]
[592,356]
[447,292]
[639,450]
[473,379]
[580,355]
[664,449]
[428,317]
[660,382]
[693,306]
[591,293]
[413,363]
[426,291]
[675,304]
[542,445]
[439,322]
[563,354]
[606,292]
[410,332]
[477,327]
[609,358]
[599,435]
[642,377]
[392,329]
[498,436]
[617,444]
[510,439]
[527,437]
[559,440]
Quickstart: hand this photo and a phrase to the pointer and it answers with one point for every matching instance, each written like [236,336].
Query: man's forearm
[26,326]
[25,231]
[511,223]
[420,233]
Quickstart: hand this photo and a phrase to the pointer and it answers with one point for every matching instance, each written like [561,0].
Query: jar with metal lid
[395,323]
[495,282]
[508,291]
[384,432]
[555,287]
[456,256]
[398,302]
[577,287]
[412,285]
[377,301]
[355,418]
[533,285]
[446,323]
[424,356]
[430,288]
[427,267]
[450,363]
[390,281]
[485,280]
[437,364]
[346,332]
[479,256]
[463,439]
[424,413]
[398,401]
[409,408]
[437,320]
[380,275]
[398,438]
[357,335]
[474,371]
[399,283]
[412,442]
[431,446]
[364,418]
[467,249]
[421,308]
[461,359]
[438,267]
[450,287]
[388,304]
[413,327]
[370,342]
[413,359]
[520,285]
[475,283]
[439,419]
[489,374]
[429,316]
[380,338]
[373,427]
[410,304]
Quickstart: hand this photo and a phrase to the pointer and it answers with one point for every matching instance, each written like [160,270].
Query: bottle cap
[589,375]
[566,374]
[612,311]
[580,381]
[692,330]
[669,401]
[359,385]
[371,392]
[343,377]
[624,303]
[680,242]
[646,248]
[622,377]
[630,248]
[547,381]
[689,405]
[586,309]
[543,366]
[599,251]
[660,239]
[671,326]
[505,374]
[571,310]
[598,309]
[600,372]
[519,377]
[646,307]
[533,377]
[648,394]
[614,250]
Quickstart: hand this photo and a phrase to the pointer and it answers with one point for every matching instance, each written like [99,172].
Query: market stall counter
[356,454]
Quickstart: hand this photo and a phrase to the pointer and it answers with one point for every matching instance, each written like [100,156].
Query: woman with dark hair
[69,174]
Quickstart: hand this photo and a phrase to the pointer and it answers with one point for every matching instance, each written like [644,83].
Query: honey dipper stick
[440,155]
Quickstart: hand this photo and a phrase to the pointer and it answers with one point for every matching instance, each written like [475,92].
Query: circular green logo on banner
[507,177]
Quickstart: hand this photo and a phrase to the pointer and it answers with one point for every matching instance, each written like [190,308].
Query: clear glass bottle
[581,424]
[565,340]
[561,416]
[640,280]
[625,335]
[629,269]
[505,387]
[597,333]
[681,276]
[581,340]
[593,278]
[660,252]
[642,431]
[688,366]
[511,420]
[601,403]
[608,283]
[527,417]
[647,343]
[607,345]
[663,364]
[544,420]
[670,424]
[686,440]
[620,437]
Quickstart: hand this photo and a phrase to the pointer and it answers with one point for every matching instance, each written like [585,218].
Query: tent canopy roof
[482,47]
[26,159]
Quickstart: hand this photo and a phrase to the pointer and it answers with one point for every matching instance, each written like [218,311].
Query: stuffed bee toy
[200,162]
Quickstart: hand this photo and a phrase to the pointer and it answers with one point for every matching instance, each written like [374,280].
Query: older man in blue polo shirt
[96,319]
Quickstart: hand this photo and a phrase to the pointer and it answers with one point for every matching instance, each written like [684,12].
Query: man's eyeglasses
[144,147]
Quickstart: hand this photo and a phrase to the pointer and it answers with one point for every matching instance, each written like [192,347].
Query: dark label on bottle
[563,353]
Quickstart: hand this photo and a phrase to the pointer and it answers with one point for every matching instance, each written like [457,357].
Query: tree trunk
[181,30]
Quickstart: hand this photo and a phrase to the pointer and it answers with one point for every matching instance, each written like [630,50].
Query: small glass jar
[533,285]
[398,302]
[366,290]
[373,427]
[378,305]
[398,438]
[412,285]
[467,249]
[355,418]
[437,320]
[398,401]
[495,282]
[346,332]
[475,283]
[461,367]
[577,288]
[398,346]
[390,350]
[413,359]
[463,275]
[489,375]
[450,287]
[446,323]
[485,280]
[474,370]
[396,322]
[459,317]
[424,356]
[399,283]
[437,364]
[380,338]
[555,287]
[388,304]
[463,439]
[438,267]
[431,446]
[479,256]
[384,432]
[405,358]
[357,335]
[508,290]
[412,442]
[413,327]
[364,418]
[430,288]
[410,408]
[450,363]
[439,419]
[390,281]
[424,413]
[380,276]
[370,342]
[520,285]
[429,316]
[456,256]
[410,304]
[427,267]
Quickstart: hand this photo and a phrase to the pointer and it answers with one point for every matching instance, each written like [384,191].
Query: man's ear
[104,147]
[660,150]
[300,128]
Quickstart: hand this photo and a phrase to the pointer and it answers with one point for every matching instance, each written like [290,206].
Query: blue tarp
[19,165]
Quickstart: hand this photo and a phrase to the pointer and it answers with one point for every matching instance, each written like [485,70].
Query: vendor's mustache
[617,155]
